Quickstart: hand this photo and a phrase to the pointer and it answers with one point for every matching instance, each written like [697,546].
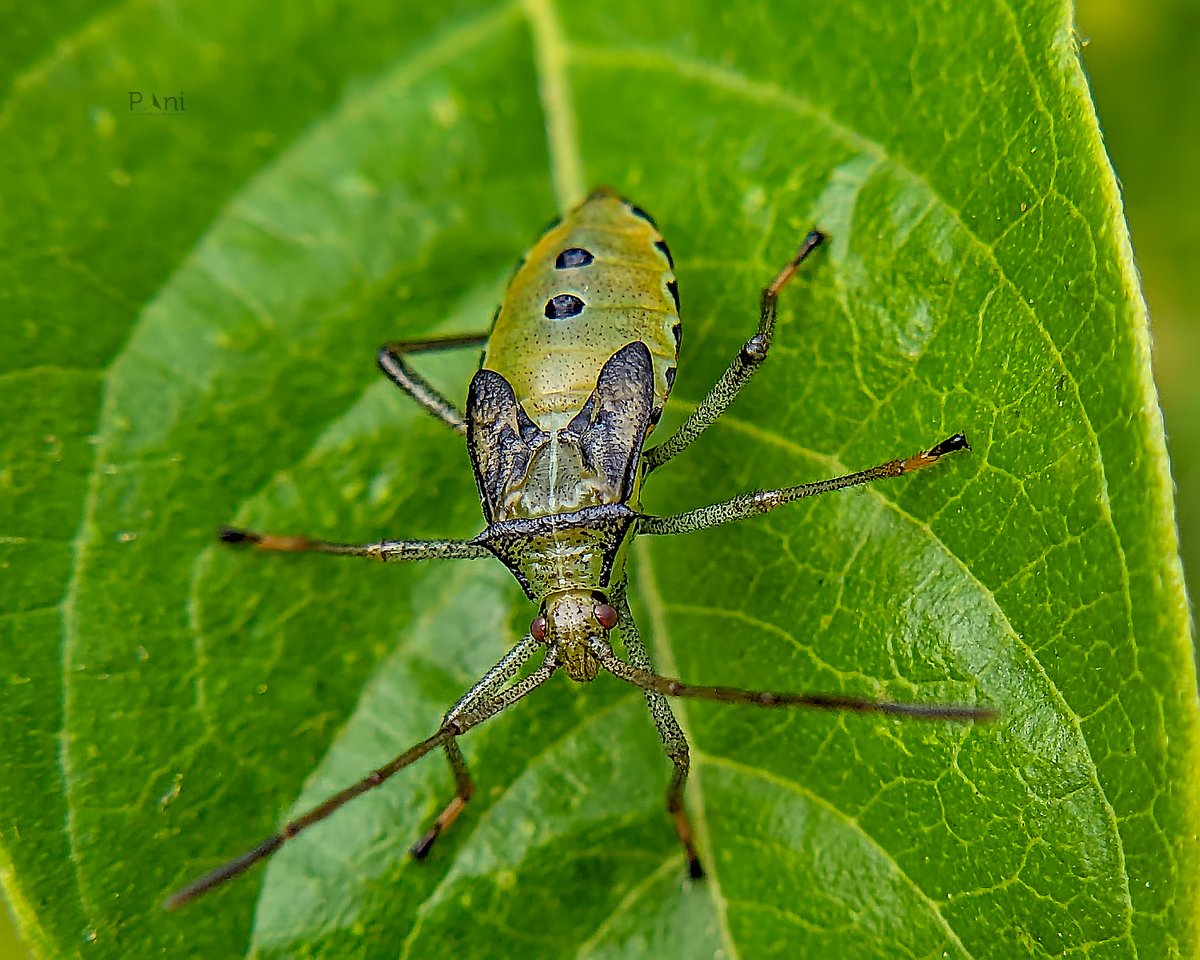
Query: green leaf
[192,304]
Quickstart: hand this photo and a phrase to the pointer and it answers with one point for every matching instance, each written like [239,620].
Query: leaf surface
[194,304]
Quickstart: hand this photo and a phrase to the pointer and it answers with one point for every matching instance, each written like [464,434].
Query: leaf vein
[797,788]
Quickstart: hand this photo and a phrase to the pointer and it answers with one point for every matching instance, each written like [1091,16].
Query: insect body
[577,369]
[576,373]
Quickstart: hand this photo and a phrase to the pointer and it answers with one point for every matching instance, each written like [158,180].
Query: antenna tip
[233,535]
[950,445]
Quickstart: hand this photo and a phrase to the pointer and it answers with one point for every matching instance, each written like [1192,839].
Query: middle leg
[384,550]
[673,740]
[763,501]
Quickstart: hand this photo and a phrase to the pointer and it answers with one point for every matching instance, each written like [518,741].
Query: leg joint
[754,350]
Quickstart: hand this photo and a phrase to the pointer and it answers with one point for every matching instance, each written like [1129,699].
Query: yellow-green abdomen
[596,281]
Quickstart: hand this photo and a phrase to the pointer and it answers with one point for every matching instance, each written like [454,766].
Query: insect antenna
[670,687]
[239,865]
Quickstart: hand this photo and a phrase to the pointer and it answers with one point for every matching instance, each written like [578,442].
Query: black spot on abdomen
[661,247]
[639,212]
[573,257]
[673,290]
[564,306]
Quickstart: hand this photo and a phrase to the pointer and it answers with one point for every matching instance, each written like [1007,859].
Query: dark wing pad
[611,427]
[500,439]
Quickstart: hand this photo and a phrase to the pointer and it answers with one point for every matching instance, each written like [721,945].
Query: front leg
[483,692]
[674,742]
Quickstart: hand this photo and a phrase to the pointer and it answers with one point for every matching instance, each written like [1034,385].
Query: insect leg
[673,740]
[239,865]
[480,703]
[670,687]
[446,733]
[385,550]
[762,501]
[739,372]
[483,691]
[391,362]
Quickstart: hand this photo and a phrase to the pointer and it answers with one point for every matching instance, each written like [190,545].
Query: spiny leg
[739,372]
[669,686]
[402,550]
[473,709]
[391,362]
[385,550]
[464,788]
[483,691]
[446,733]
[673,740]
[239,865]
[762,501]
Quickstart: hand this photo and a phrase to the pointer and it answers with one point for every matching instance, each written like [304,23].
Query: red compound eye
[606,615]
[538,628]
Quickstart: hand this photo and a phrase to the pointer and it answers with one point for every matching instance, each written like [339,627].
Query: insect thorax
[557,479]
[581,550]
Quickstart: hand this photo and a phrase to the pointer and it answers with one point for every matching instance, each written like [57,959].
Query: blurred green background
[1144,64]
[1143,60]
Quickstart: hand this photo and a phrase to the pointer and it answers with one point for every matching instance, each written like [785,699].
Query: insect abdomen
[598,280]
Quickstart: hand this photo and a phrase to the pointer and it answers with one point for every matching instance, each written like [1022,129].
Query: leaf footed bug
[576,370]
